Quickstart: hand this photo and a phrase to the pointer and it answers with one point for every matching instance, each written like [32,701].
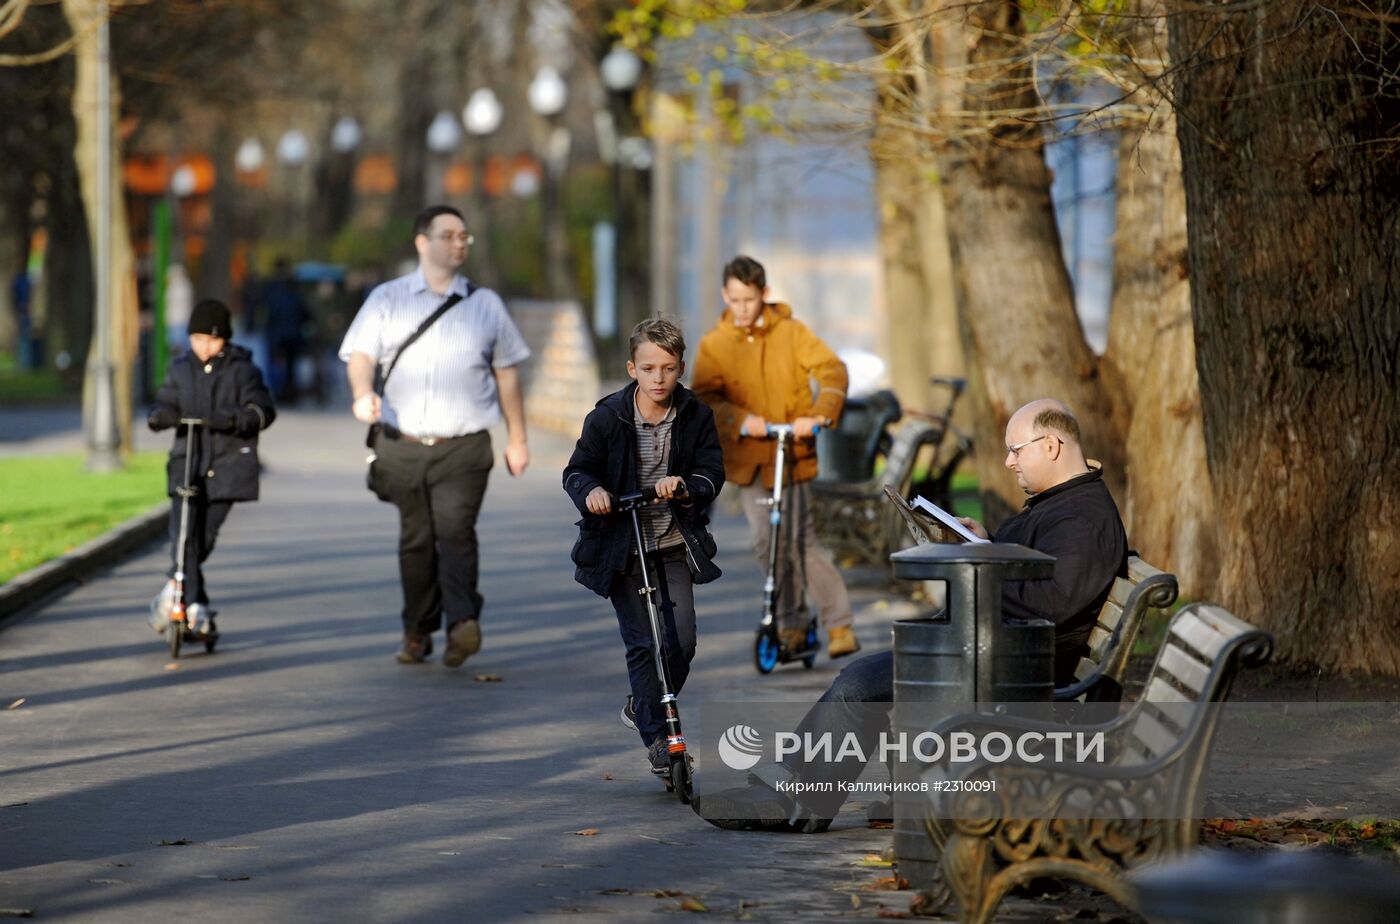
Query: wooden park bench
[1099,676]
[1150,782]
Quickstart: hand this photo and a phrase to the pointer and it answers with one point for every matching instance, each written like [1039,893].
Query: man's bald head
[1042,445]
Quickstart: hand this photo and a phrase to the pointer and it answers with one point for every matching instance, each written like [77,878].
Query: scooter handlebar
[643,498]
[773,431]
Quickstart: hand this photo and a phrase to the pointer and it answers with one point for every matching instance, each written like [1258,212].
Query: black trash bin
[970,656]
[846,452]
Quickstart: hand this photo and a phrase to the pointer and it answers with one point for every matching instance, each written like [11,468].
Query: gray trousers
[802,563]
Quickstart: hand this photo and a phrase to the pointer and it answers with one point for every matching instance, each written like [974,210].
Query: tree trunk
[1021,336]
[121,294]
[1291,171]
[921,316]
[899,188]
[1149,368]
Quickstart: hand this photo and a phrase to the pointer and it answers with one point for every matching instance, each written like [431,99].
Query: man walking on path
[433,449]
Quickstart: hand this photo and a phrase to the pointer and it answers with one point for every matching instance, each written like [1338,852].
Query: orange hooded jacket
[767,370]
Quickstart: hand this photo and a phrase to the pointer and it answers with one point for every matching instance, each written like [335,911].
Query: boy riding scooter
[216,384]
[651,434]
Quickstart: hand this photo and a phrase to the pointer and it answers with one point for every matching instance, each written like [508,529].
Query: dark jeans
[670,574]
[858,701]
[438,490]
[206,517]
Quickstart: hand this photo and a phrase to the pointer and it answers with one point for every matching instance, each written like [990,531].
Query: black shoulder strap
[451,300]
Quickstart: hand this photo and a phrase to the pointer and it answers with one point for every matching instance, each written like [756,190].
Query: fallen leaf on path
[879,824]
[667,893]
[178,842]
[173,666]
[587,832]
[883,884]
[16,912]
[693,904]
[875,860]
[16,704]
[235,878]
[855,900]
[487,678]
[892,913]
[607,776]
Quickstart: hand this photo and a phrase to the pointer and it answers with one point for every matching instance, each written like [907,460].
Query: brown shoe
[842,642]
[463,641]
[415,649]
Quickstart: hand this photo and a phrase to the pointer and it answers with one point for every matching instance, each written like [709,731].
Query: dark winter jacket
[1077,522]
[606,455]
[229,393]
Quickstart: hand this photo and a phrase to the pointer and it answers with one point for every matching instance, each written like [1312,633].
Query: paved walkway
[317,780]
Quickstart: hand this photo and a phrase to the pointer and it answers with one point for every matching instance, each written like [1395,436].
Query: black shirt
[1077,522]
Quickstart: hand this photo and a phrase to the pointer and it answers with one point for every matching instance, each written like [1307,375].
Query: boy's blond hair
[661,332]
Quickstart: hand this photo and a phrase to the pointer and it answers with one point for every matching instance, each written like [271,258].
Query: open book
[945,518]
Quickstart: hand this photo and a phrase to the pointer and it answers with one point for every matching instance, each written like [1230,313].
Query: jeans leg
[402,465]
[788,611]
[857,702]
[634,626]
[823,581]
[678,615]
[211,517]
[456,476]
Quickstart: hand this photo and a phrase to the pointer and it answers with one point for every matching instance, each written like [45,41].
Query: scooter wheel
[765,652]
[209,644]
[680,778]
[175,634]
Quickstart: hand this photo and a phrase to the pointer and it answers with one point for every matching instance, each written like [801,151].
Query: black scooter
[768,648]
[679,780]
[180,631]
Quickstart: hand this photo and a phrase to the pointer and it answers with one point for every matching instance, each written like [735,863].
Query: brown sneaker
[463,641]
[415,649]
[842,642]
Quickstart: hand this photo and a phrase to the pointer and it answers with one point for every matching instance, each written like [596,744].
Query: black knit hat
[210,316]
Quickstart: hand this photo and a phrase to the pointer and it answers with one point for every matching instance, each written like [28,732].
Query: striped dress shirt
[653,455]
[445,385]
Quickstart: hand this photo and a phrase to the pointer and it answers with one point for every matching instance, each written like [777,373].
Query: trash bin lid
[944,559]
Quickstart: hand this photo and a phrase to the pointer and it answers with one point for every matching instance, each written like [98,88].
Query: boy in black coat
[652,433]
[216,382]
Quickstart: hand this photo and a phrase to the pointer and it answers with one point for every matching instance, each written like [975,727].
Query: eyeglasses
[461,238]
[1016,450]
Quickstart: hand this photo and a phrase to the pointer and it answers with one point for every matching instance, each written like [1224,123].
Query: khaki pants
[802,562]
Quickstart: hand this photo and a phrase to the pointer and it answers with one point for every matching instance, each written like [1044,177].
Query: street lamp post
[292,151]
[620,69]
[345,138]
[481,117]
[548,94]
[444,135]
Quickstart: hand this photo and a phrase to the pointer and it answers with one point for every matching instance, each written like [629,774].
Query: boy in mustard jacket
[755,367]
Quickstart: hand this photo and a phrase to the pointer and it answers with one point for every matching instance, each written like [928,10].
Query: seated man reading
[1069,514]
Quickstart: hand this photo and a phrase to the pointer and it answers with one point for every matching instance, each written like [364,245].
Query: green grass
[23,387]
[50,505]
